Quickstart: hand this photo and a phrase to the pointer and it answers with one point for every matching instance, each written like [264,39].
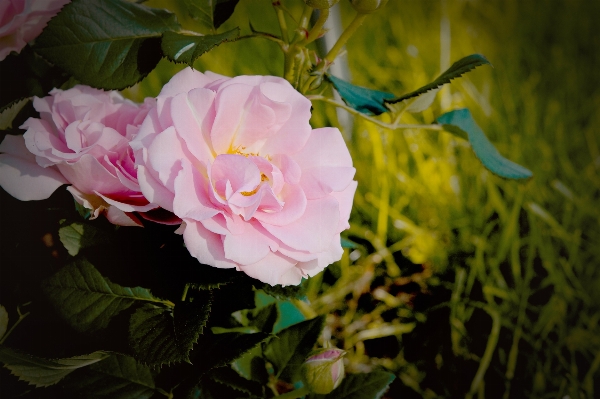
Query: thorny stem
[391,126]
[317,28]
[303,24]
[317,76]
[21,317]
[262,35]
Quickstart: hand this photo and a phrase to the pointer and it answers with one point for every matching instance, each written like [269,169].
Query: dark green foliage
[161,335]
[288,351]
[211,14]
[36,77]
[88,301]
[110,44]
[118,377]
[361,386]
[179,47]
[44,372]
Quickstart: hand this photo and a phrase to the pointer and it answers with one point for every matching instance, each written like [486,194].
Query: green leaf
[222,11]
[36,77]
[109,44]
[288,351]
[3,321]
[457,69]
[210,13]
[264,318]
[88,301]
[367,101]
[187,48]
[77,236]
[461,123]
[44,372]
[228,377]
[158,335]
[221,349]
[361,386]
[117,377]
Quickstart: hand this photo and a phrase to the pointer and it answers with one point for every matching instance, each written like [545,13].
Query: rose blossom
[82,139]
[257,188]
[23,20]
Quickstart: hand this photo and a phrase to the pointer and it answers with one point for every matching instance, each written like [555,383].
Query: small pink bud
[323,370]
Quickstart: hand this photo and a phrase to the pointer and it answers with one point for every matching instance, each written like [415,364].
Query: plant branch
[391,126]
[21,317]
[316,30]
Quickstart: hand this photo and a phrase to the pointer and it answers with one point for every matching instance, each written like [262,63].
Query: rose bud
[323,370]
[368,6]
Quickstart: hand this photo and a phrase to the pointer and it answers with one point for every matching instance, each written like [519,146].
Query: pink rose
[82,139]
[21,21]
[257,188]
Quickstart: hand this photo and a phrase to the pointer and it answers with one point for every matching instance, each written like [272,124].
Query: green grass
[465,284]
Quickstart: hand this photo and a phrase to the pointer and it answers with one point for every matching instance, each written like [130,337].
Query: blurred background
[461,283]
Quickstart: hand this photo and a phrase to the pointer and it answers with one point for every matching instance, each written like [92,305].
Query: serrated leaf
[117,377]
[36,77]
[367,101]
[289,349]
[88,301]
[221,349]
[456,70]
[461,123]
[77,236]
[109,44]
[361,386]
[3,321]
[227,377]
[264,318]
[184,48]
[44,372]
[158,335]
[210,13]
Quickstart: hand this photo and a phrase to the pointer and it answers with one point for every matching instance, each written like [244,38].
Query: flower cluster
[233,160]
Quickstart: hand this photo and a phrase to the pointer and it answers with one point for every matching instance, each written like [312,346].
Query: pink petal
[314,230]
[289,168]
[229,106]
[243,174]
[120,218]
[186,80]
[191,195]
[26,180]
[205,246]
[153,190]
[164,155]
[325,147]
[345,199]
[318,182]
[249,247]
[293,208]
[193,114]
[128,207]
[274,269]
[89,175]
